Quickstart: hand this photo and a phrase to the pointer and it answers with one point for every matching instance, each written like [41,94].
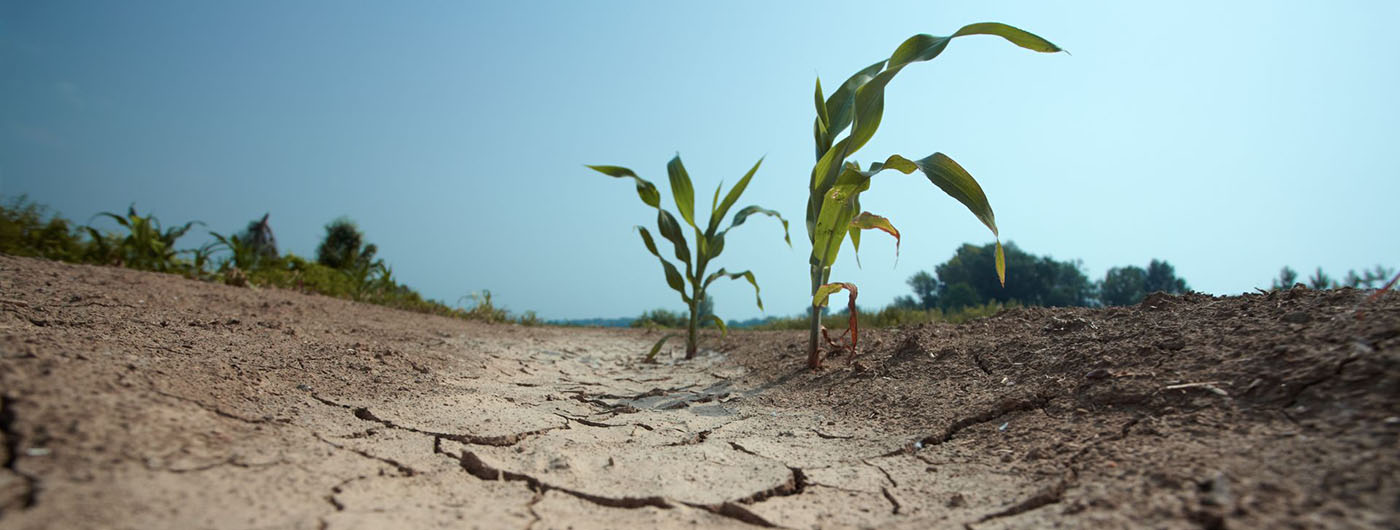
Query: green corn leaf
[744,214]
[656,348]
[823,123]
[673,276]
[837,209]
[839,106]
[717,214]
[714,202]
[747,275]
[958,184]
[870,221]
[645,189]
[671,230]
[716,245]
[719,323]
[1001,265]
[682,190]
[1017,36]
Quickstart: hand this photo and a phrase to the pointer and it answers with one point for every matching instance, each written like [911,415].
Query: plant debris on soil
[140,400]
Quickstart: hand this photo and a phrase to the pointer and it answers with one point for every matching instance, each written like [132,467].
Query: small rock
[1297,317]
[957,501]
[1173,344]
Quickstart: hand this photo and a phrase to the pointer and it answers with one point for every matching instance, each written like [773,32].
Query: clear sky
[1229,138]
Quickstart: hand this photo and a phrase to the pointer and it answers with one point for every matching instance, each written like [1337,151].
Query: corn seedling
[833,205]
[709,241]
[146,246]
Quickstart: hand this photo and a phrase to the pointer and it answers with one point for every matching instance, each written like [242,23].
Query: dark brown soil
[136,400]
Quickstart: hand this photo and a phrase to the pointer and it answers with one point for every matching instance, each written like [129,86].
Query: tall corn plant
[709,241]
[833,206]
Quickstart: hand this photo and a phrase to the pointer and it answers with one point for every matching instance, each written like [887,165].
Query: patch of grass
[245,259]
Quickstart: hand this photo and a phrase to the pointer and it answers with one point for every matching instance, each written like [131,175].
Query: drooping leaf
[1001,264]
[673,276]
[656,348]
[1017,36]
[747,275]
[744,214]
[719,323]
[958,184]
[682,190]
[645,189]
[870,221]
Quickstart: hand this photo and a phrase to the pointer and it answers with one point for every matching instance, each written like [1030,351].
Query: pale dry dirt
[137,400]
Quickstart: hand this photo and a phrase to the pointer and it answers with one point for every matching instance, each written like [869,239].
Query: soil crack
[1046,497]
[1002,408]
[501,440]
[735,509]
[402,468]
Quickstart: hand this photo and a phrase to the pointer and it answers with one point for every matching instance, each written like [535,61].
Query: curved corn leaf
[1017,36]
[719,323]
[958,184]
[1001,265]
[744,214]
[673,276]
[819,129]
[870,221]
[645,189]
[656,348]
[714,201]
[747,275]
[671,230]
[839,105]
[682,190]
[717,214]
[715,246]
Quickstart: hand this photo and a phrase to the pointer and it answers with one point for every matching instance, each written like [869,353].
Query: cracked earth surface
[135,400]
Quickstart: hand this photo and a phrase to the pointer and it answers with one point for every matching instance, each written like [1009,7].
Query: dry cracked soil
[138,400]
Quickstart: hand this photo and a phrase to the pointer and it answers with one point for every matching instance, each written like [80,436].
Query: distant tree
[958,296]
[1030,280]
[344,246]
[907,302]
[1162,277]
[1287,277]
[1369,279]
[925,289]
[259,236]
[1123,286]
[1320,280]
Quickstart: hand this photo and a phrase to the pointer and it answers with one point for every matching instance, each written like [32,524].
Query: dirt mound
[134,400]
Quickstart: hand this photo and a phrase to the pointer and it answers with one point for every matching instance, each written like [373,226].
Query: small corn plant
[833,205]
[709,241]
[146,246]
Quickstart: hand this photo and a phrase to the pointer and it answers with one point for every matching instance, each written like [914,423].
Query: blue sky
[1229,138]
